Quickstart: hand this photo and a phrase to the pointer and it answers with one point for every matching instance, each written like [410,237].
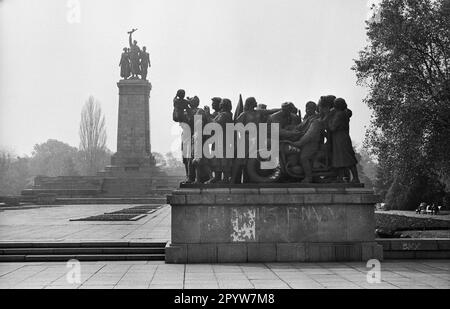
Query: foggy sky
[274,50]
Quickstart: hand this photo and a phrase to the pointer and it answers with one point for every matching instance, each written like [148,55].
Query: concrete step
[62,192]
[87,244]
[80,251]
[67,186]
[44,180]
[83,251]
[82,257]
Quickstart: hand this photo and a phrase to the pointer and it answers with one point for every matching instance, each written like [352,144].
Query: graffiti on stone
[243,224]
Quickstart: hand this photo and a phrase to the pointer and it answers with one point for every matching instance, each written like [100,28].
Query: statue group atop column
[134,61]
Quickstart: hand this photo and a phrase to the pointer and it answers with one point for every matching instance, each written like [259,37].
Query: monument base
[273,252]
[238,225]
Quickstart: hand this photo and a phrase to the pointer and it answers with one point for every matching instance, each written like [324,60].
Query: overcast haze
[276,51]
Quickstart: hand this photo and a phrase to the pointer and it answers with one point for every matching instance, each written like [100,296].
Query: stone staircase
[66,186]
[70,190]
[135,187]
[82,251]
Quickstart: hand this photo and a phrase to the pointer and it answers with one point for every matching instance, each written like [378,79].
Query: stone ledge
[273,252]
[264,196]
[414,244]
[301,190]
[274,190]
[216,190]
[259,199]
[275,185]
[244,191]
[134,87]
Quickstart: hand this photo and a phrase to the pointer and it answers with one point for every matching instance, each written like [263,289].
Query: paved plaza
[426,274]
[51,223]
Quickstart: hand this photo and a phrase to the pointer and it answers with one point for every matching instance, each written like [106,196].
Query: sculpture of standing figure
[199,166]
[222,166]
[190,117]
[125,64]
[180,107]
[145,62]
[134,56]
[343,155]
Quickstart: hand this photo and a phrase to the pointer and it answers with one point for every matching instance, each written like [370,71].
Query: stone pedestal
[132,171]
[223,225]
[133,132]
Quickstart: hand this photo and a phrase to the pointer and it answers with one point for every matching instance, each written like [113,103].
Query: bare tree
[92,136]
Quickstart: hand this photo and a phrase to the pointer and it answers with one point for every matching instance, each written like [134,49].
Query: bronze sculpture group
[316,148]
[134,61]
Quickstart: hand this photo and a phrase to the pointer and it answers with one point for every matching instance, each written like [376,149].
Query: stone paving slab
[52,224]
[427,274]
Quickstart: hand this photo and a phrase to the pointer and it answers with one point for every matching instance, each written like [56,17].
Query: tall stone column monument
[133,131]
[133,157]
[132,173]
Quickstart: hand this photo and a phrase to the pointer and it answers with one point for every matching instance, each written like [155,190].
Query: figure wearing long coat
[343,154]
[144,63]
[125,68]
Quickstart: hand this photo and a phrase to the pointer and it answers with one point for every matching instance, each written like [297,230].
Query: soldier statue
[134,56]
[134,61]
[144,63]
[125,64]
